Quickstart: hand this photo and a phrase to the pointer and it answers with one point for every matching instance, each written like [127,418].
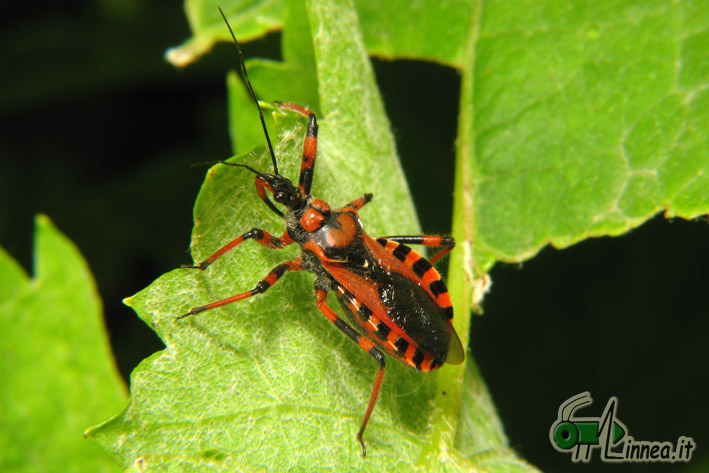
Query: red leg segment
[293,107]
[366,345]
[360,202]
[427,240]
[261,236]
[261,287]
[310,146]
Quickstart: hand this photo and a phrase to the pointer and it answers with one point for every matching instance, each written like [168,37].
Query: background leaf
[582,121]
[57,371]
[254,19]
[393,30]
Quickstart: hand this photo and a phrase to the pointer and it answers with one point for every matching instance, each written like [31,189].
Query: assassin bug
[388,290]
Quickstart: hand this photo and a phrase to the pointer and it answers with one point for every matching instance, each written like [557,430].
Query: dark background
[98,132]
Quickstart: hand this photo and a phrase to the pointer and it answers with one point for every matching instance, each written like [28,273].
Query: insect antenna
[242,166]
[226,163]
[205,163]
[253,94]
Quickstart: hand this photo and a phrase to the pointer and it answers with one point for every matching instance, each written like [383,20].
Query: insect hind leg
[366,345]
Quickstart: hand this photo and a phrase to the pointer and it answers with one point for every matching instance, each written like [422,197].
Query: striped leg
[262,286]
[262,237]
[310,146]
[426,240]
[360,202]
[366,345]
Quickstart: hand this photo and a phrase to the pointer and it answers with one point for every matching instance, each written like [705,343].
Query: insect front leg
[262,237]
[426,240]
[310,145]
[360,201]
[366,345]
[261,287]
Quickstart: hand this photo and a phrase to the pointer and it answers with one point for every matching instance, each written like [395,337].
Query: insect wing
[456,354]
[400,259]
[397,310]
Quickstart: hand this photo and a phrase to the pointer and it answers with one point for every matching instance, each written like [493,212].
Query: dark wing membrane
[456,354]
[405,259]
[413,309]
[401,299]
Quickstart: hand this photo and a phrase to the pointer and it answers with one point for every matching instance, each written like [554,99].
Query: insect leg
[360,202]
[426,240]
[366,345]
[310,146]
[262,286]
[261,236]
[293,107]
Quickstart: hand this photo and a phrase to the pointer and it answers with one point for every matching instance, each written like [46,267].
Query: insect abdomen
[421,348]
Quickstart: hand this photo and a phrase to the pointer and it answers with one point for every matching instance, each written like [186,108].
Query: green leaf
[393,29]
[431,30]
[582,119]
[57,371]
[249,18]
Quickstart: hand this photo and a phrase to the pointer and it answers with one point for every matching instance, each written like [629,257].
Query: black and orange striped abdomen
[404,308]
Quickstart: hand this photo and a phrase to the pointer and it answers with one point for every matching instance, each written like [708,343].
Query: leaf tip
[189,52]
[129,301]
[43,220]
[89,433]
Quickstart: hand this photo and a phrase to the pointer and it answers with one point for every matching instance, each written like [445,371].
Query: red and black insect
[389,291]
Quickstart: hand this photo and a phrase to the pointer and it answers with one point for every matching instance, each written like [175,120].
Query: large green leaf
[56,368]
[581,120]
[430,29]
